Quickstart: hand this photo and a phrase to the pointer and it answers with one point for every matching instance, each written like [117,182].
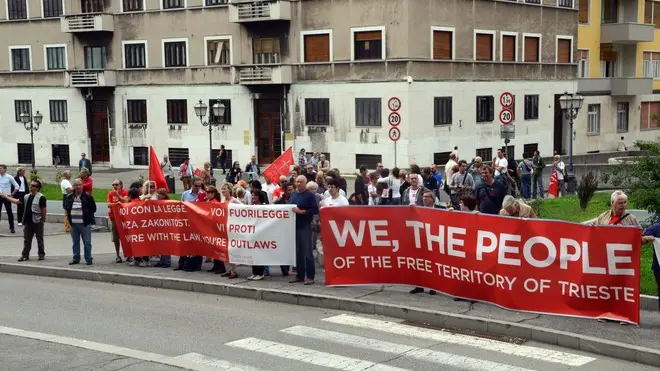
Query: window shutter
[656,14]
[317,48]
[484,47]
[509,48]
[564,51]
[645,115]
[648,12]
[491,108]
[442,45]
[583,13]
[607,53]
[368,36]
[531,49]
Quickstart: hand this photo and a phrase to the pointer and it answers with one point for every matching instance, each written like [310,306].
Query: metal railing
[79,78]
[255,74]
[565,3]
[81,22]
[253,10]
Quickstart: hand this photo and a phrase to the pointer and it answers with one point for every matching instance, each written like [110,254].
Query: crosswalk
[336,345]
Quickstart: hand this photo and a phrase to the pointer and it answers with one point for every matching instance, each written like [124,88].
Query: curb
[448,320]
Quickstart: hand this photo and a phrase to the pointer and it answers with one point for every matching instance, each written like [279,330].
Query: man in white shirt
[453,158]
[66,187]
[6,183]
[561,172]
[335,198]
[501,164]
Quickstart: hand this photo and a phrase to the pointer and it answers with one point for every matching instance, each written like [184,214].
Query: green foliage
[640,178]
[586,189]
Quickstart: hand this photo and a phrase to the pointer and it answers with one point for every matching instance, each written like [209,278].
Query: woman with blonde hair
[239,194]
[149,191]
[228,197]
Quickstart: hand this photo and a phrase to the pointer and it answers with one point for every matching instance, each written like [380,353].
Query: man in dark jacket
[361,194]
[85,163]
[80,208]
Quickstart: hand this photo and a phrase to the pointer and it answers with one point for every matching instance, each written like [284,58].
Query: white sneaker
[258,278]
[252,278]
[144,263]
[20,224]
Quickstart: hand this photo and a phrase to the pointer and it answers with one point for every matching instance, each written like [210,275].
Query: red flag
[553,189]
[281,166]
[155,172]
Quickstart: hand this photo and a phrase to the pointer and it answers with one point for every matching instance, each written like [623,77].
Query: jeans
[31,230]
[165,259]
[258,270]
[561,187]
[10,212]
[84,232]
[526,182]
[222,164]
[537,184]
[304,253]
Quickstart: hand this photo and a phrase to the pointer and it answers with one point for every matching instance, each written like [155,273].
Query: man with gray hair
[80,207]
[516,208]
[306,207]
[66,187]
[617,214]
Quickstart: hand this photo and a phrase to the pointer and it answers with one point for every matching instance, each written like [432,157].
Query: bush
[586,189]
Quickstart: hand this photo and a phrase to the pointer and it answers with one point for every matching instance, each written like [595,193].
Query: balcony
[87,23]
[626,33]
[617,86]
[241,11]
[91,79]
[264,75]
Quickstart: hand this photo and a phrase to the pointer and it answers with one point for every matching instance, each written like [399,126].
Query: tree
[640,178]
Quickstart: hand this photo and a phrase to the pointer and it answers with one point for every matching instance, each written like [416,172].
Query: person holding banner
[491,193]
[227,197]
[652,233]
[305,209]
[116,195]
[515,208]
[428,200]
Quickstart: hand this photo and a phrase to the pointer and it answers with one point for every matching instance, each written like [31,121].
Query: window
[651,64]
[52,8]
[533,1]
[622,117]
[173,4]
[24,153]
[531,107]
[175,53]
[442,110]
[215,2]
[608,67]
[177,111]
[226,119]
[370,161]
[316,46]
[650,115]
[17,9]
[135,54]
[21,106]
[593,119]
[368,43]
[20,58]
[367,112]
[609,11]
[95,57]
[509,47]
[565,3]
[177,155]
[218,50]
[140,156]
[92,6]
[486,154]
[583,63]
[58,111]
[56,57]
[443,43]
[60,153]
[531,48]
[317,111]
[132,5]
[484,45]
[266,50]
[652,13]
[136,111]
[485,108]
[564,52]
[230,160]
[530,148]
[583,12]
[441,158]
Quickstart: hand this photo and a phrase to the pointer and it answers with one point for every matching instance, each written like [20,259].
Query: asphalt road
[54,324]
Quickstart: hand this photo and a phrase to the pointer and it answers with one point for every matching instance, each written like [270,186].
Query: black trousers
[10,212]
[20,208]
[657,282]
[31,230]
[258,270]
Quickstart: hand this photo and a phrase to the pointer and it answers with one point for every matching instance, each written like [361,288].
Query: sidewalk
[641,344]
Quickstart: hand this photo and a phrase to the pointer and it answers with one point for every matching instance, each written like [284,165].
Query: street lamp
[31,124]
[570,104]
[219,114]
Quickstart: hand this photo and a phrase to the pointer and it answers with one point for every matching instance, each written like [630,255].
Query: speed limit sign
[506,116]
[506,100]
[394,119]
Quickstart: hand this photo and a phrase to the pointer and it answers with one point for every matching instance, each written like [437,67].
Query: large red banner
[539,266]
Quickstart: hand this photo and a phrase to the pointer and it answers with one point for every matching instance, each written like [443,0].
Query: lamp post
[31,124]
[570,104]
[219,114]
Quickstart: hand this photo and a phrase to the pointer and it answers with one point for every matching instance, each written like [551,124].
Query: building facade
[618,71]
[113,77]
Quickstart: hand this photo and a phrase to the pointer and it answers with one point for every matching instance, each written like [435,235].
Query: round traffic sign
[394,119]
[394,104]
[394,134]
[506,99]
[506,116]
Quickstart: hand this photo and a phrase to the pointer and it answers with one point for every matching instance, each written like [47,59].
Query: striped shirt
[77,211]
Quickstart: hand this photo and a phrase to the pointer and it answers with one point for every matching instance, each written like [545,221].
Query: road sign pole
[394,153]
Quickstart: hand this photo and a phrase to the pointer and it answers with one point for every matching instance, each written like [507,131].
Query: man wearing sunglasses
[33,219]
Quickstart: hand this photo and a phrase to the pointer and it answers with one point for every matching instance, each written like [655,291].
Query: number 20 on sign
[506,116]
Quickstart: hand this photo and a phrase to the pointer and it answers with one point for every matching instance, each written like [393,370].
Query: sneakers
[255,277]
[20,224]
[144,263]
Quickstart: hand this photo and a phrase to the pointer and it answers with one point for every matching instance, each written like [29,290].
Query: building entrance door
[268,131]
[98,131]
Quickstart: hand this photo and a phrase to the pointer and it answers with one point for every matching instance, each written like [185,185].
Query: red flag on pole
[281,166]
[553,188]
[155,172]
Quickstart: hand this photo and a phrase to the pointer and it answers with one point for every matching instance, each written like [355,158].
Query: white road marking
[310,356]
[427,355]
[540,354]
[214,362]
[120,351]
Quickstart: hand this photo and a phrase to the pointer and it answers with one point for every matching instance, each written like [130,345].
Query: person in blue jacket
[654,231]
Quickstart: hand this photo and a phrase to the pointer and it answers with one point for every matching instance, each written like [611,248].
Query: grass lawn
[568,209]
[53,192]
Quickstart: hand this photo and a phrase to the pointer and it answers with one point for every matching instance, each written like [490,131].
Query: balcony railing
[91,78]
[251,11]
[265,75]
[88,23]
[565,3]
